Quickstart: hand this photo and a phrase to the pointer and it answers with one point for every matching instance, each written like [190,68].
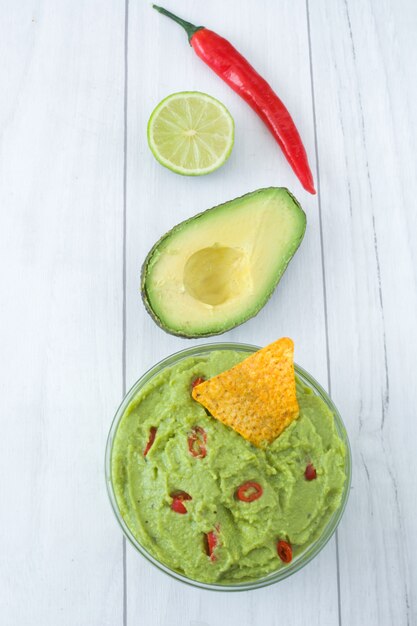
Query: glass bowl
[301,559]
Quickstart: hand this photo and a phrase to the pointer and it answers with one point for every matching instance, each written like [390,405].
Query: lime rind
[197,143]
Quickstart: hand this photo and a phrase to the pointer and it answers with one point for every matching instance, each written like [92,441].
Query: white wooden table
[81,202]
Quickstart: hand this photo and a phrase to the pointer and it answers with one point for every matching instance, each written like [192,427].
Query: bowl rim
[310,552]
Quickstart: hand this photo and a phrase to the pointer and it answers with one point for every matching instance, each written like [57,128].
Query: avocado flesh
[216,270]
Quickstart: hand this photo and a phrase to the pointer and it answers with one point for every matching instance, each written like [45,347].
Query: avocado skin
[154,248]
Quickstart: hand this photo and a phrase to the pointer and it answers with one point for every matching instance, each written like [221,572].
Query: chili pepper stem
[187,26]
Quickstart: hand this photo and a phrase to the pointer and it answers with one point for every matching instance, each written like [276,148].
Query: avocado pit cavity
[216,274]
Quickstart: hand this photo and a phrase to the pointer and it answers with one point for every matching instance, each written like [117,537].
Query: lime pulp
[191,133]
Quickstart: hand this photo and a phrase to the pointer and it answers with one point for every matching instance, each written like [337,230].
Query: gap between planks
[326,325]
[124,311]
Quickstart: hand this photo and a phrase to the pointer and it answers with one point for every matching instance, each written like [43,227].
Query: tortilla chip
[257,397]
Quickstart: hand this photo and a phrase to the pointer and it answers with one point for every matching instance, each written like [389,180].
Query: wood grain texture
[366,137]
[61,165]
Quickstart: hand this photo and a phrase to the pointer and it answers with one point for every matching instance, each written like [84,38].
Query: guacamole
[176,474]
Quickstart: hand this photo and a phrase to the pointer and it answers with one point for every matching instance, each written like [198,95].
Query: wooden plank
[61,164]
[275,38]
[364,60]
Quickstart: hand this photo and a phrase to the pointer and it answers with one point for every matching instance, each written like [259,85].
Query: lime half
[191,133]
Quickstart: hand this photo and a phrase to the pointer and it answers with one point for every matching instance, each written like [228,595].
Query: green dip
[291,508]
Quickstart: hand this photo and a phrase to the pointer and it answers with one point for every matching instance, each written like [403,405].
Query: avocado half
[217,269]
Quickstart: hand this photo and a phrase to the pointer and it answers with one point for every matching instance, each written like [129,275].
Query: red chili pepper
[310,472]
[248,492]
[235,70]
[197,381]
[196,441]
[284,551]
[178,506]
[152,435]
[211,543]
[178,497]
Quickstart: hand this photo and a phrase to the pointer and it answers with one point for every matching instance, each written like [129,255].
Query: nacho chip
[257,397]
